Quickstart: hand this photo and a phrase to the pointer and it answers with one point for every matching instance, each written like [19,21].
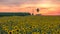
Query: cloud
[19,2]
[9,2]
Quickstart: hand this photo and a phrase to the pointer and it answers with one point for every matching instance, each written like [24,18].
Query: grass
[30,24]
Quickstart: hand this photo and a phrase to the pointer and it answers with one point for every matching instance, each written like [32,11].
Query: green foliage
[30,25]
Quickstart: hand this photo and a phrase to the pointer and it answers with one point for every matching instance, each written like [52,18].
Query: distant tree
[37,9]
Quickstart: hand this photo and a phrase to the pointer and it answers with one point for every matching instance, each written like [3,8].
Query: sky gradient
[47,7]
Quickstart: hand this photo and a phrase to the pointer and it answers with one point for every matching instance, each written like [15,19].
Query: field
[30,25]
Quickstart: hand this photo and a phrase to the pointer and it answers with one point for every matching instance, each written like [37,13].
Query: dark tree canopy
[37,9]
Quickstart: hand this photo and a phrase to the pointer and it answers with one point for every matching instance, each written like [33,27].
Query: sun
[45,5]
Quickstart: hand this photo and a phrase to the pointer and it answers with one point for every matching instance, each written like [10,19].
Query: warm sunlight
[45,5]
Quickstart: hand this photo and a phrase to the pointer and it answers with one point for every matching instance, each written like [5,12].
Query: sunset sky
[47,7]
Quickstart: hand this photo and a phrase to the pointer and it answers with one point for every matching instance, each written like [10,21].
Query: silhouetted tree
[37,9]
